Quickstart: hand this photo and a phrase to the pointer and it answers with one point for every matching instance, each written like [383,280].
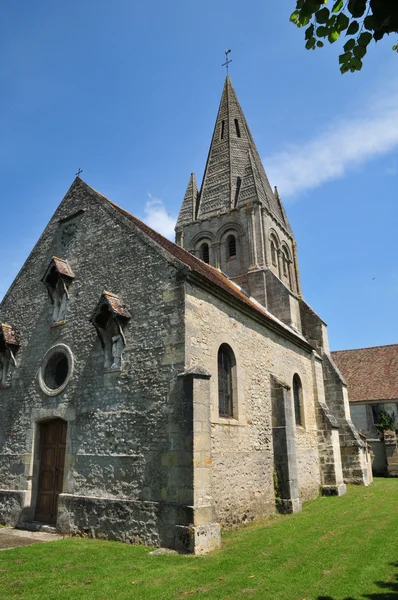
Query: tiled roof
[116,304]
[63,268]
[213,276]
[370,373]
[10,334]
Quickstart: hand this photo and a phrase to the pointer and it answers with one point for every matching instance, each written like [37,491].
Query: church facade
[153,392]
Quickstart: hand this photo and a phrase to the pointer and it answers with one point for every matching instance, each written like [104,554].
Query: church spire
[233,160]
[188,208]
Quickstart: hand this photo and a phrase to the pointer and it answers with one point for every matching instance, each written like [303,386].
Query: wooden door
[51,470]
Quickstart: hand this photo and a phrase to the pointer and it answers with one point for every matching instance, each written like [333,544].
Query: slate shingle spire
[234,172]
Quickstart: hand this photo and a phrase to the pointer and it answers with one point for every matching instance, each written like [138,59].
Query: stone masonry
[118,349]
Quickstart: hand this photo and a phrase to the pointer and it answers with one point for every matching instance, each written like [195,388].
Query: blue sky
[129,92]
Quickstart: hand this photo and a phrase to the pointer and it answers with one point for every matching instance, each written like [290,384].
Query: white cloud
[345,143]
[157,217]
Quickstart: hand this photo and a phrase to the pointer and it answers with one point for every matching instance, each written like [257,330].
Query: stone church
[153,392]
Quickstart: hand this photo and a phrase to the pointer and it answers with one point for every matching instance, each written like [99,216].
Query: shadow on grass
[390,591]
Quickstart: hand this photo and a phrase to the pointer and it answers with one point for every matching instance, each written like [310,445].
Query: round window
[56,370]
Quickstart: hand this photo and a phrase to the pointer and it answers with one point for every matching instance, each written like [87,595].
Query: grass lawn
[337,548]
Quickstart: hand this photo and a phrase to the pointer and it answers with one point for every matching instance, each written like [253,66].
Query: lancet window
[226,381]
[205,252]
[298,399]
[231,246]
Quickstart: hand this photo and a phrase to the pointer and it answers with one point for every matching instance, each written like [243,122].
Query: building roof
[234,173]
[10,335]
[214,277]
[370,373]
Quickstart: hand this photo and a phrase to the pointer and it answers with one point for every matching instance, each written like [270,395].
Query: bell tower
[236,222]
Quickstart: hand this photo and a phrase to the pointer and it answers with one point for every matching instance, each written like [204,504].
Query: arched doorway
[51,469]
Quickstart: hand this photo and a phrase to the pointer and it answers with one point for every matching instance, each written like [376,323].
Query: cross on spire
[226,60]
[79,171]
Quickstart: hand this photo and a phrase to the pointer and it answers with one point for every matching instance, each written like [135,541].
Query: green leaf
[322,15]
[342,22]
[310,44]
[359,51]
[365,38]
[338,5]
[294,16]
[368,22]
[309,32]
[303,20]
[343,58]
[395,47]
[349,45]
[356,63]
[321,44]
[322,31]
[353,28]
[333,37]
[357,7]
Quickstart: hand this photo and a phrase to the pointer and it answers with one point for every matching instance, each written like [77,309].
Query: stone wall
[242,451]
[128,429]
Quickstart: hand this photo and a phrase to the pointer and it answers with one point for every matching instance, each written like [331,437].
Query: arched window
[231,246]
[274,253]
[298,399]
[222,130]
[226,381]
[205,253]
[285,259]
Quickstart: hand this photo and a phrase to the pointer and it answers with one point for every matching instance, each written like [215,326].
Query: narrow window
[226,368]
[222,130]
[237,189]
[237,128]
[273,254]
[285,262]
[205,253]
[231,246]
[298,399]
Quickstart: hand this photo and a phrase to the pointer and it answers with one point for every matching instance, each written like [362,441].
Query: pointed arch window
[237,128]
[231,246]
[226,381]
[298,399]
[222,130]
[205,252]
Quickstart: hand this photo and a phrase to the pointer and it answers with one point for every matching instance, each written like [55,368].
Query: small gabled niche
[9,346]
[57,280]
[109,319]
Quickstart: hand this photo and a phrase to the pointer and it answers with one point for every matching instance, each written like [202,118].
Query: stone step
[37,526]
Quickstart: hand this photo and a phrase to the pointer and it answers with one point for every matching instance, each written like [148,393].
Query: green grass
[337,548]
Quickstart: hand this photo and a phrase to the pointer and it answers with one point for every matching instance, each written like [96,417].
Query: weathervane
[79,171]
[226,60]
